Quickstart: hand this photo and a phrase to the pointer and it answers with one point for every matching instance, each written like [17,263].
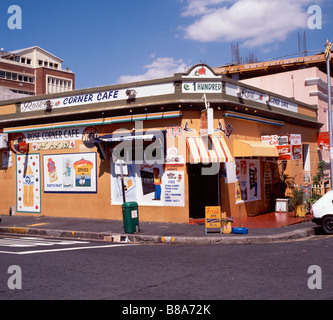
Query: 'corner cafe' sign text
[54,135]
[96,97]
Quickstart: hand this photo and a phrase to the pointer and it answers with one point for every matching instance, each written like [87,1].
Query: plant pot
[300,211]
[226,228]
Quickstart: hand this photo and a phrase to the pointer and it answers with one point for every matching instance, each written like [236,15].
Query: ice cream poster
[28,183]
[70,173]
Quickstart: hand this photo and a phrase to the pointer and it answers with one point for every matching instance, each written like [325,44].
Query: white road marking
[25,242]
[67,249]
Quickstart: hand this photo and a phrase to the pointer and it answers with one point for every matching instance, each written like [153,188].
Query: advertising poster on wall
[173,186]
[247,180]
[28,183]
[148,185]
[70,173]
[254,192]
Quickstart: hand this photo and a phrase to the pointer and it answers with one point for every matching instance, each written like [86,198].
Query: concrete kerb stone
[154,239]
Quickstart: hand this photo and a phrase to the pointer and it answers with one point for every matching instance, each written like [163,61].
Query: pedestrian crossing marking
[45,244]
[25,242]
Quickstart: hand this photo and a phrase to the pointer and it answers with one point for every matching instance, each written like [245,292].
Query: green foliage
[318,178]
[298,197]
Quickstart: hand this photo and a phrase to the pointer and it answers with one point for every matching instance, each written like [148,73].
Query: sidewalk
[263,229]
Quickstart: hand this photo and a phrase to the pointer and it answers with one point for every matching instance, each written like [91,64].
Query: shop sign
[260,97]
[53,145]
[23,147]
[279,139]
[295,139]
[202,87]
[173,186]
[54,135]
[284,152]
[323,141]
[272,140]
[282,104]
[296,152]
[213,218]
[96,97]
[206,122]
[201,71]
[7,161]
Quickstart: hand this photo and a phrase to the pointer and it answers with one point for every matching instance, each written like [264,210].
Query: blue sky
[107,42]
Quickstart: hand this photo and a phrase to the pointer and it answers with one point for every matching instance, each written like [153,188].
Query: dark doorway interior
[203,191]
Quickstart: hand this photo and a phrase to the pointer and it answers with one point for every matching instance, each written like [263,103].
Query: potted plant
[226,225]
[297,201]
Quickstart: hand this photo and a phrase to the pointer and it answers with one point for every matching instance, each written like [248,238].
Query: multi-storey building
[33,71]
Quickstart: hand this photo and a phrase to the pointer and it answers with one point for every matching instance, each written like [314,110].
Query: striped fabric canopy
[199,151]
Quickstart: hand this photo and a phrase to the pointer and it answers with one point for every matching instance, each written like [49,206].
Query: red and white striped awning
[199,151]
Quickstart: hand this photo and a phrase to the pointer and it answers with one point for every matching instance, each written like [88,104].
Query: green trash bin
[131,217]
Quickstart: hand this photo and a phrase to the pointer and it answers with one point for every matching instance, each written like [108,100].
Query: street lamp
[328,50]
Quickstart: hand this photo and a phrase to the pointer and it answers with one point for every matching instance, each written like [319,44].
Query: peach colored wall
[97,206]
[293,84]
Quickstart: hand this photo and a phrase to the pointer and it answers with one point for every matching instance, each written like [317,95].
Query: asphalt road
[56,269]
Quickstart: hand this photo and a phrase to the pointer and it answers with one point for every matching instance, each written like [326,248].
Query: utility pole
[328,50]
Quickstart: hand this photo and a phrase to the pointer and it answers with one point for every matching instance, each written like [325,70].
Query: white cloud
[200,7]
[255,22]
[159,68]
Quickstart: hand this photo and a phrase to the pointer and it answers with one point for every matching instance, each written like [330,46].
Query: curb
[154,239]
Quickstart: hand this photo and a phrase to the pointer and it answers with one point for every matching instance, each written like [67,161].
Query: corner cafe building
[192,140]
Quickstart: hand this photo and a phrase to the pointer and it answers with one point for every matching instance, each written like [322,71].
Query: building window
[28,61]
[22,60]
[40,63]
[15,77]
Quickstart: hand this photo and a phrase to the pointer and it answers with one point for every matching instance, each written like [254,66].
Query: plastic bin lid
[130,204]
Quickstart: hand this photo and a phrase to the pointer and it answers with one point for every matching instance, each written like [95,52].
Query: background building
[32,71]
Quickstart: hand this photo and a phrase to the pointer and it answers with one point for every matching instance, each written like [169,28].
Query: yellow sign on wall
[213,218]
